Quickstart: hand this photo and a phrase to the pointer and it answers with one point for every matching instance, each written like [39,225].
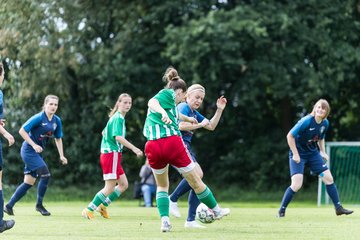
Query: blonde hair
[324,104]
[47,99]
[114,109]
[195,87]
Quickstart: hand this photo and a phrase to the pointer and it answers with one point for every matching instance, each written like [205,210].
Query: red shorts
[111,165]
[170,150]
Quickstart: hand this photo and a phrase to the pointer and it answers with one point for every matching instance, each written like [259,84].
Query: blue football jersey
[41,129]
[184,108]
[307,132]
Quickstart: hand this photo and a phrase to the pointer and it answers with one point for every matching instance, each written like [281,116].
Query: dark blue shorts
[192,154]
[34,163]
[315,162]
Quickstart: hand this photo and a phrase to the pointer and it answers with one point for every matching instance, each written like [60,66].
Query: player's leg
[98,199]
[44,178]
[193,202]
[333,193]
[319,166]
[183,186]
[114,192]
[162,197]
[157,152]
[4,224]
[296,183]
[20,191]
[122,186]
[181,160]
[296,173]
[32,162]
[204,194]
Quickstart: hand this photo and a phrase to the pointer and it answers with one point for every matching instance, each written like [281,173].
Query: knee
[327,178]
[123,187]
[296,186]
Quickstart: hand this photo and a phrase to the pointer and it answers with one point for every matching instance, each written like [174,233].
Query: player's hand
[165,118]
[192,120]
[138,152]
[324,156]
[2,122]
[10,138]
[63,160]
[37,148]
[221,103]
[296,158]
[204,122]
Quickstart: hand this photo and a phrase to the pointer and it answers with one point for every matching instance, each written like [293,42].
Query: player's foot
[165,226]
[6,225]
[340,211]
[222,213]
[8,210]
[193,224]
[86,213]
[174,209]
[40,208]
[103,211]
[280,214]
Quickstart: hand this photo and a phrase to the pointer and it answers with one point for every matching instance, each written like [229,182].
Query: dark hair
[173,80]
[1,69]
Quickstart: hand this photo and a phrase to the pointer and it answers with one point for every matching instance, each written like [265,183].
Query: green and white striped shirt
[154,128]
[114,127]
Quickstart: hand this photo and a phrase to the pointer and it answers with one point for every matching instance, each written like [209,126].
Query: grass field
[128,221]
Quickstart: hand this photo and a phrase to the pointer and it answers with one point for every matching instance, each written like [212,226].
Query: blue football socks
[19,193]
[288,195]
[333,194]
[180,190]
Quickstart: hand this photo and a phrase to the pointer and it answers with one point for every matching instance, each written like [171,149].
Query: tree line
[271,59]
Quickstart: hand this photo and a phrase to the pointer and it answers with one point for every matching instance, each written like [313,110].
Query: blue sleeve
[326,124]
[199,117]
[184,109]
[58,131]
[301,125]
[32,122]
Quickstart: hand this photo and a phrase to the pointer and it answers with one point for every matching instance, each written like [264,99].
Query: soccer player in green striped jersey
[113,140]
[165,147]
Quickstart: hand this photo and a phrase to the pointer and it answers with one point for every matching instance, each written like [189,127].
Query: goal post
[344,164]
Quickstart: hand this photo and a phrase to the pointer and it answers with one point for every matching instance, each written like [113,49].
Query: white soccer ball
[204,214]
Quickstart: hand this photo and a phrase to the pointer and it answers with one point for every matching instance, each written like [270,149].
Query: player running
[36,132]
[113,140]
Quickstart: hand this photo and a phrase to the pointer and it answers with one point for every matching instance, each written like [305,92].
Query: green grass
[128,221]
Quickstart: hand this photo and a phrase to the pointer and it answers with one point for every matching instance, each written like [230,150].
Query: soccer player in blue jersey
[307,147]
[194,98]
[4,224]
[36,132]
[165,147]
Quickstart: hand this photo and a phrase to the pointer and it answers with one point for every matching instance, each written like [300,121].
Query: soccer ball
[204,214]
